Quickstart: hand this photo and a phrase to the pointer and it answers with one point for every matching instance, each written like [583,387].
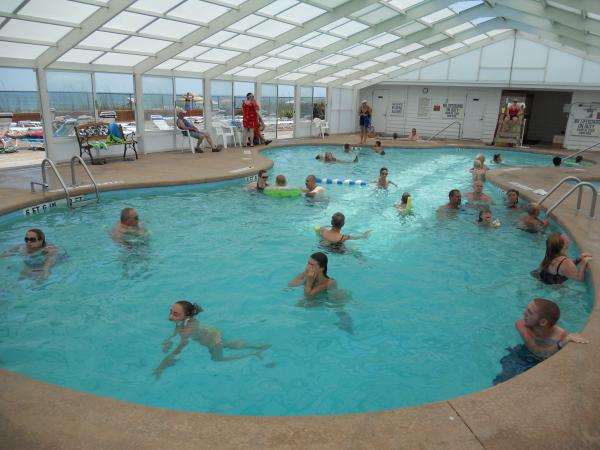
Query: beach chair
[321,125]
[224,131]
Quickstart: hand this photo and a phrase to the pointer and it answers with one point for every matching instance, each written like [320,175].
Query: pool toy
[340,181]
[285,192]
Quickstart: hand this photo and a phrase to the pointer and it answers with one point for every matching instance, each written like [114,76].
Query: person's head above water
[481,158]
[541,312]
[280,180]
[338,220]
[534,209]
[182,310]
[477,164]
[346,148]
[556,244]
[377,143]
[478,186]
[557,160]
[497,158]
[129,217]
[310,182]
[455,198]
[485,216]
[578,159]
[405,197]
[383,172]
[513,196]
[35,238]
[319,262]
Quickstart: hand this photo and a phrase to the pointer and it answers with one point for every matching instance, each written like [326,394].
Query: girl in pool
[187,327]
[403,204]
[485,219]
[314,277]
[478,171]
[557,267]
[39,257]
[333,234]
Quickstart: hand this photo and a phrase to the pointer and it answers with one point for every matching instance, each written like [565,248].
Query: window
[268,105]
[158,103]
[285,111]
[313,103]
[19,99]
[221,95]
[189,97]
[70,98]
[240,90]
[115,97]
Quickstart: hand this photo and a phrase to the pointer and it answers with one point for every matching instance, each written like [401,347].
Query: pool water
[425,308]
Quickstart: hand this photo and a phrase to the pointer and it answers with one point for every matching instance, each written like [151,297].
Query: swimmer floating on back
[328,157]
[187,327]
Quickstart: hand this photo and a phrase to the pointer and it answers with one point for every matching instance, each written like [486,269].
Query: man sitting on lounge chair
[185,125]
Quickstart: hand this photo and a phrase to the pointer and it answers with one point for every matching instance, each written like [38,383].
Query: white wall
[586,104]
[409,96]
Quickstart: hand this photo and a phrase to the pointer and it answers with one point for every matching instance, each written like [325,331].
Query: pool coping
[553,405]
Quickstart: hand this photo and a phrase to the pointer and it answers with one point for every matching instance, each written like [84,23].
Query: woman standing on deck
[364,116]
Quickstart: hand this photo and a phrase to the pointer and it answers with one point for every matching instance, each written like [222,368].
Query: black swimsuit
[553,278]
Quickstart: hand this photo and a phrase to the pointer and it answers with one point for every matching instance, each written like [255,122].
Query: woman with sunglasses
[261,181]
[39,257]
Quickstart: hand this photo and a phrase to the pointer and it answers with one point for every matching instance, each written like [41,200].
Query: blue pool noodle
[340,181]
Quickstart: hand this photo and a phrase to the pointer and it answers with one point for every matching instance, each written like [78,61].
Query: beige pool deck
[555,405]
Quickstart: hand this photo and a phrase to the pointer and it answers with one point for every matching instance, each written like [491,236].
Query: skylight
[80,56]
[301,13]
[386,57]
[459,28]
[365,65]
[334,59]
[170,64]
[437,16]
[292,76]
[169,28]
[410,62]
[346,72]
[278,6]
[198,11]
[481,20]
[564,7]
[474,39]
[247,22]
[389,69]
[464,5]
[409,29]
[295,52]
[242,42]
[271,28]
[404,4]
[375,13]
[218,55]
[451,48]
[353,82]
[357,49]
[155,6]
[192,52]
[349,28]
[322,40]
[409,48]
[370,76]
[119,59]
[430,55]
[326,80]
[218,38]
[312,68]
[67,11]
[271,63]
[433,39]
[128,21]
[251,72]
[102,39]
[196,66]
[141,44]
[21,51]
[382,39]
[22,29]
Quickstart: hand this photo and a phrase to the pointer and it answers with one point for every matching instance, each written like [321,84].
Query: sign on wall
[586,127]
[453,110]
[397,108]
[424,107]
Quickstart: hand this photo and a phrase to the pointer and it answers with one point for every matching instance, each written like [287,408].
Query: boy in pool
[531,222]
[378,148]
[187,327]
[539,331]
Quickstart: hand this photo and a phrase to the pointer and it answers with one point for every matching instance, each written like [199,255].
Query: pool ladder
[72,202]
[579,188]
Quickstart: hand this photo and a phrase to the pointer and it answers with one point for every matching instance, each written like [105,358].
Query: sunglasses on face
[265,178]
[31,239]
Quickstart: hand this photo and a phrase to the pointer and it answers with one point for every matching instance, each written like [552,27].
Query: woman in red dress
[250,119]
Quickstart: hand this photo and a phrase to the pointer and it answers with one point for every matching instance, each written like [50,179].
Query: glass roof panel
[271,63]
[322,40]
[349,28]
[301,13]
[247,22]
[234,70]
[386,57]
[472,40]
[291,76]
[233,2]
[218,55]
[353,82]
[459,28]
[63,9]
[251,72]
[366,10]
[155,6]
[409,48]
[169,64]
[365,65]
[271,28]
[563,7]
[404,4]
[218,38]
[196,66]
[141,44]
[277,6]
[379,15]
[169,28]
[326,80]
[334,59]
[330,3]
[357,49]
[370,76]
[497,31]
[199,11]
[346,72]
[433,39]
[23,29]
[409,29]
[242,42]
[306,37]
[382,39]
[481,20]
[593,16]
[437,16]
[192,52]
[312,68]
[463,6]
[296,52]
[102,39]
[9,5]
[120,59]
[255,60]
[451,48]
[80,56]
[280,49]
[410,62]
[20,51]
[128,21]
[430,55]
[389,69]
[335,24]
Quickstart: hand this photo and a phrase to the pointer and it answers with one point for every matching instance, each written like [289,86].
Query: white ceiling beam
[585,5]
[140,34]
[58,65]
[289,36]
[364,35]
[195,37]
[52,21]
[17,62]
[88,26]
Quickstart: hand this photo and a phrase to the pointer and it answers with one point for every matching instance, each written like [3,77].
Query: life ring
[340,181]
[282,192]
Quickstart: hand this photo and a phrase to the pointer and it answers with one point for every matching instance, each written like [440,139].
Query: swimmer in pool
[378,148]
[531,222]
[314,277]
[497,159]
[512,199]
[477,171]
[454,203]
[311,186]
[382,181]
[39,256]
[539,331]
[481,158]
[334,235]
[478,198]
[129,227]
[557,267]
[485,219]
[402,205]
[328,157]
[187,327]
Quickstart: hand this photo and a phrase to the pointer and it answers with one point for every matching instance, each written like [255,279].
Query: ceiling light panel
[247,23]
[128,21]
[169,28]
[271,28]
[65,10]
[44,32]
[301,13]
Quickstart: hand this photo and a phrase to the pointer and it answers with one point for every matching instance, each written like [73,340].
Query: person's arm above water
[310,290]
[530,340]
[365,235]
[570,270]
[298,280]
[170,360]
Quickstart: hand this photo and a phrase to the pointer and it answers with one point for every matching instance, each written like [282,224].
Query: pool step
[81,201]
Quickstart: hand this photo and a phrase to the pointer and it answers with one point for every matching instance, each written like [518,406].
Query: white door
[380,109]
[473,124]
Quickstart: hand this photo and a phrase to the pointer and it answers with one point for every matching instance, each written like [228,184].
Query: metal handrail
[85,167]
[580,151]
[557,185]
[446,127]
[45,181]
[578,186]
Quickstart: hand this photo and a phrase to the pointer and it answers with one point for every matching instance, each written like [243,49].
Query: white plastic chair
[225,131]
[321,125]
[186,135]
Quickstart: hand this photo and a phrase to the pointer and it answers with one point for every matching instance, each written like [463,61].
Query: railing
[76,158]
[44,182]
[581,151]
[445,128]
[578,187]
[557,185]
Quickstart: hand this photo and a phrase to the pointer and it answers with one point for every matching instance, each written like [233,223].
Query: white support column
[258,92]
[208,108]
[139,113]
[45,109]
[296,108]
